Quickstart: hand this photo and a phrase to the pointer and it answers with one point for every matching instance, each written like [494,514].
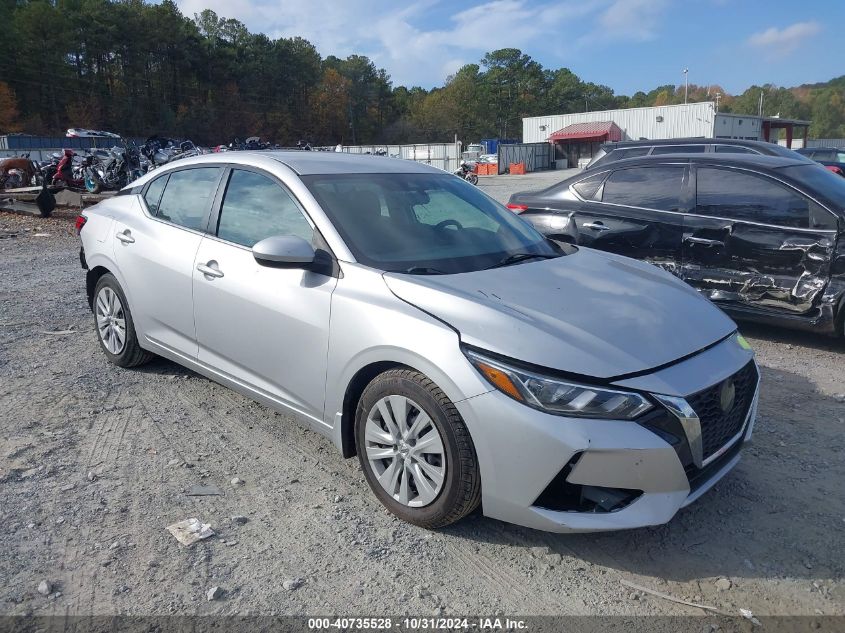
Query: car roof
[687,141]
[739,160]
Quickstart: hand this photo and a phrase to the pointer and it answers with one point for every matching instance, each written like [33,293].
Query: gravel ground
[95,461]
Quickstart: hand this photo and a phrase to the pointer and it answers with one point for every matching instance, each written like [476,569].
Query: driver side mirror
[284,251]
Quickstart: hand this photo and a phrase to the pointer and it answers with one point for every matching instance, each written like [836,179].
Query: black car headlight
[557,396]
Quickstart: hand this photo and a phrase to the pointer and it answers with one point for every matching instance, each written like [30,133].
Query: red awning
[595,131]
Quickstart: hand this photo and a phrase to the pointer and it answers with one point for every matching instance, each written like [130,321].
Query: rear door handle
[125,237]
[703,241]
[209,271]
[596,226]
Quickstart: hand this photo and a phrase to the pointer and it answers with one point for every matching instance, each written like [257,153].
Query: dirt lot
[95,461]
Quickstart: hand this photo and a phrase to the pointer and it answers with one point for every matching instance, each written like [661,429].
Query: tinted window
[153,195]
[823,155]
[255,207]
[839,157]
[187,196]
[743,196]
[819,182]
[588,187]
[631,152]
[733,149]
[678,149]
[650,187]
[422,223]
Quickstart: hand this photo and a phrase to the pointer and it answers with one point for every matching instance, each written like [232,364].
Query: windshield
[820,180]
[423,223]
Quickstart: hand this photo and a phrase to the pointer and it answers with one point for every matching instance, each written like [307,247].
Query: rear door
[754,241]
[636,211]
[155,252]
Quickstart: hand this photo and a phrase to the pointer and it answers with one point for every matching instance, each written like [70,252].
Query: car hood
[590,313]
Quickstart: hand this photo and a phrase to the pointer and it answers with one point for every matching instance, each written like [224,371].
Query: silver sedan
[466,360]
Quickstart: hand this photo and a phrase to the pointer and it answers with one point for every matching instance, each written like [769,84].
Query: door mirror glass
[284,251]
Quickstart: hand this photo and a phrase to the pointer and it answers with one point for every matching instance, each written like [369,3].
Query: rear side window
[187,196]
[733,149]
[255,207]
[153,195]
[588,187]
[678,149]
[743,196]
[649,187]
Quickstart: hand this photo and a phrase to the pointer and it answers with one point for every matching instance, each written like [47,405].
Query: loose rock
[45,588]
[293,583]
[723,584]
[214,593]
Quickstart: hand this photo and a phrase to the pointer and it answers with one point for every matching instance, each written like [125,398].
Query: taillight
[80,222]
[517,208]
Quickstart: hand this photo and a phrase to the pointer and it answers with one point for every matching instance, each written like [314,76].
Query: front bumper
[523,453]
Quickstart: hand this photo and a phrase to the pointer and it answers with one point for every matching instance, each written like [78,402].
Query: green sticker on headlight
[742,342]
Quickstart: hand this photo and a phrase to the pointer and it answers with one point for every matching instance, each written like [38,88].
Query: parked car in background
[831,157]
[417,323]
[761,236]
[611,152]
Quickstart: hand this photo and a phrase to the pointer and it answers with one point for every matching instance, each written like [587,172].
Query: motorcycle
[113,169]
[71,170]
[160,151]
[465,172]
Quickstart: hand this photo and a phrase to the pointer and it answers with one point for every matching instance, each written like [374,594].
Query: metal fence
[445,156]
[535,156]
[826,142]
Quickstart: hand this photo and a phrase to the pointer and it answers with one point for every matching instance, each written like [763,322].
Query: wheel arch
[92,276]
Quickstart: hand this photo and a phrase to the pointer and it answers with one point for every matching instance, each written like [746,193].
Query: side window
[588,187]
[824,155]
[733,149]
[153,195]
[741,196]
[649,187]
[631,152]
[256,207]
[840,157]
[187,196]
[678,149]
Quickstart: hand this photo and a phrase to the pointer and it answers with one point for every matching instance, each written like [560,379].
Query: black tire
[472,178]
[461,491]
[46,202]
[132,354]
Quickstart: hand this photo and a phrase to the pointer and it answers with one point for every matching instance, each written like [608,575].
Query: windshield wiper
[515,258]
[423,270]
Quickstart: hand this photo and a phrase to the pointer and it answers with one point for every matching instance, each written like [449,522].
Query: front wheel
[415,450]
[472,179]
[92,185]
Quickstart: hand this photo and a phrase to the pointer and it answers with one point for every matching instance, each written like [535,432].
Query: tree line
[139,69]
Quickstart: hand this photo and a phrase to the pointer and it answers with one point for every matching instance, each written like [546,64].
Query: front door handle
[596,226]
[210,269]
[703,241]
[126,237]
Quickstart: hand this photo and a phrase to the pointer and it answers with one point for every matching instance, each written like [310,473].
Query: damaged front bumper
[564,474]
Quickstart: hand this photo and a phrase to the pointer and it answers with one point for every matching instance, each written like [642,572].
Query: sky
[628,45]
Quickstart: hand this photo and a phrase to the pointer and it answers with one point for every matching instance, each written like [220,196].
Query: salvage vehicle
[620,150]
[464,358]
[761,236]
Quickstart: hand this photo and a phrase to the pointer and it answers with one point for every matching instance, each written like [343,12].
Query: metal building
[577,136]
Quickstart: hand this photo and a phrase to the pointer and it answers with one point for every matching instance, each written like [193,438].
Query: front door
[155,251]
[264,328]
[753,241]
[637,212]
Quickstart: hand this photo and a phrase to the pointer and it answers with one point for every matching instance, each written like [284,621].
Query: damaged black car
[761,236]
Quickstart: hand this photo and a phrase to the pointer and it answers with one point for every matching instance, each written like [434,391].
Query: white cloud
[784,41]
[421,42]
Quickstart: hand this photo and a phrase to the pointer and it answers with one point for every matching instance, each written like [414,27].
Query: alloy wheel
[111,320]
[405,451]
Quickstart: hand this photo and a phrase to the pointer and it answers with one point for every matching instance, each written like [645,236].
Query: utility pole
[761,105]
[686,84]
[586,107]
[718,96]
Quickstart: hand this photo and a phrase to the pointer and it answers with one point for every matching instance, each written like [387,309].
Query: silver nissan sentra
[417,323]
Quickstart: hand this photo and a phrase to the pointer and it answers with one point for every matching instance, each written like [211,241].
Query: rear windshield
[821,181]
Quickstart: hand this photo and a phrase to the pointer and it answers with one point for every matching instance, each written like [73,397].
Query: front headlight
[557,396]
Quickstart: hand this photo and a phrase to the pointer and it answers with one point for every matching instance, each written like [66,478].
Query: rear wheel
[91,184]
[415,450]
[114,325]
[472,179]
